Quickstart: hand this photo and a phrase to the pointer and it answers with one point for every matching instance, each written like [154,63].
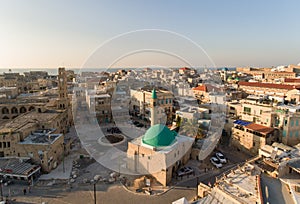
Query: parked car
[185,171]
[216,162]
[221,157]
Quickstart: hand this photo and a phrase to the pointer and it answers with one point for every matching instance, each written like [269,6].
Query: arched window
[14,110]
[23,109]
[5,110]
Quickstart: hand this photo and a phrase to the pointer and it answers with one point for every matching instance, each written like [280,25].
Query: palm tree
[193,129]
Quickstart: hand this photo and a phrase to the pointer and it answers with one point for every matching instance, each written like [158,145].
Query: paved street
[274,191]
[114,194]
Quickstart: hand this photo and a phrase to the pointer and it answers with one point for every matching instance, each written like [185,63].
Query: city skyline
[232,33]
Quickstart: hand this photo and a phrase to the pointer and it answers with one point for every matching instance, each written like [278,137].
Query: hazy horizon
[230,33]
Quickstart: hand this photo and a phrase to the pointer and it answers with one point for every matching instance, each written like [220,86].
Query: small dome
[225,69]
[154,96]
[159,136]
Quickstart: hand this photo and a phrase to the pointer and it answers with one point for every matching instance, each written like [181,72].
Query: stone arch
[5,110]
[14,110]
[31,108]
[23,109]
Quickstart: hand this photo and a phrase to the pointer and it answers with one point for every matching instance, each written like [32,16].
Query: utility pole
[95,199]
[1,190]
[197,187]
[63,157]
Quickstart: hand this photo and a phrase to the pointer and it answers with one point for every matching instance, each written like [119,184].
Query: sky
[77,33]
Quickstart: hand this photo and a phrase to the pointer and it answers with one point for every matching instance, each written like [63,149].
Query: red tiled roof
[259,128]
[281,72]
[292,80]
[200,88]
[184,68]
[268,85]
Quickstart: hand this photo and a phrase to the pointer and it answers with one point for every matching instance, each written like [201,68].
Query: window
[284,133]
[8,144]
[292,123]
[247,110]
[296,133]
[260,112]
[297,122]
[285,122]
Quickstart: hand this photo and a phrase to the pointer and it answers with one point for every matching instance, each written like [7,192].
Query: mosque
[160,152]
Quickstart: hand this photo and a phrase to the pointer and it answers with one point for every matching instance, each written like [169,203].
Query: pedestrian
[28,189]
[24,191]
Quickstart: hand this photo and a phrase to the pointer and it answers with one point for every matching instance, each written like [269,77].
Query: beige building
[140,102]
[259,111]
[10,109]
[270,76]
[100,105]
[250,137]
[44,148]
[274,90]
[42,129]
[291,129]
[203,91]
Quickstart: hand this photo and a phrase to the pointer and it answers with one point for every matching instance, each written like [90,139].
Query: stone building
[141,100]
[160,152]
[250,137]
[11,108]
[100,106]
[35,132]
[274,90]
[43,147]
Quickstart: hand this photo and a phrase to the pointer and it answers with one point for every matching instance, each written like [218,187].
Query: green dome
[154,96]
[224,69]
[158,136]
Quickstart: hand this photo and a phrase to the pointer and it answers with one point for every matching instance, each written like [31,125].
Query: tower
[153,105]
[62,89]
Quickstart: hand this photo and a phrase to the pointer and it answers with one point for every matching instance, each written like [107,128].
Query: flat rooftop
[17,167]
[41,137]
[30,119]
[241,184]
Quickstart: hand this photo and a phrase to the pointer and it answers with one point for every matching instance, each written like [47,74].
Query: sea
[54,71]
